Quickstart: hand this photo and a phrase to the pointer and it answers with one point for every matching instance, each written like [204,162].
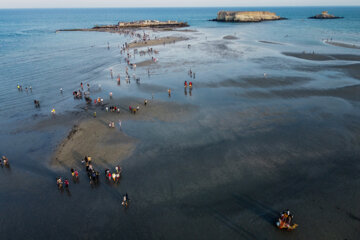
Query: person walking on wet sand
[120,125]
[5,161]
[37,103]
[59,182]
[126,200]
[66,182]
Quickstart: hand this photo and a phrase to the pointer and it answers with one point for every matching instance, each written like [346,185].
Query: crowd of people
[112,109]
[93,176]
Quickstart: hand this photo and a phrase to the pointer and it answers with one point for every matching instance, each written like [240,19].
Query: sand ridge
[107,146]
[155,42]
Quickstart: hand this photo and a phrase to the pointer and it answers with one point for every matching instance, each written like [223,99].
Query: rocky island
[151,24]
[324,15]
[246,16]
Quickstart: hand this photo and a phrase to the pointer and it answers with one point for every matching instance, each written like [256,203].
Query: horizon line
[24,8]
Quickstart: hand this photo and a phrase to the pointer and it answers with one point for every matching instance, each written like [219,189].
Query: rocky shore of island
[246,16]
[324,15]
[147,24]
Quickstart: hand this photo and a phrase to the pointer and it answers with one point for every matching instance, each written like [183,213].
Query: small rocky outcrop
[324,15]
[246,16]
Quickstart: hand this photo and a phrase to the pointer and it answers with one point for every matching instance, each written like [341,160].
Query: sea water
[196,155]
[33,54]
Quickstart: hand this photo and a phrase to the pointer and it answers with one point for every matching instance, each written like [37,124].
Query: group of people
[112,109]
[285,220]
[115,176]
[19,87]
[62,184]
[99,101]
[93,175]
[111,124]
[75,175]
[77,94]
[134,109]
[186,84]
[80,93]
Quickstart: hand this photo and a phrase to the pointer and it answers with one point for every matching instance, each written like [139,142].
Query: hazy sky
[168,3]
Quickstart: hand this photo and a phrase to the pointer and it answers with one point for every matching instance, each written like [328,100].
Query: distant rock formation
[167,25]
[246,16]
[324,15]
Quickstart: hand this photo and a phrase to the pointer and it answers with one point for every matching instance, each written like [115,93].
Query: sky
[169,3]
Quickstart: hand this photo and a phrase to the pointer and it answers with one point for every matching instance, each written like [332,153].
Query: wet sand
[145,63]
[175,30]
[107,146]
[230,37]
[353,70]
[323,57]
[268,42]
[155,42]
[220,164]
[346,93]
[263,82]
[344,45]
[110,146]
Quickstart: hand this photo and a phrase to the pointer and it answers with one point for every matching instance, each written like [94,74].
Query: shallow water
[253,147]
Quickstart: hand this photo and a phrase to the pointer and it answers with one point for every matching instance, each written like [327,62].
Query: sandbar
[230,37]
[323,57]
[158,41]
[344,45]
